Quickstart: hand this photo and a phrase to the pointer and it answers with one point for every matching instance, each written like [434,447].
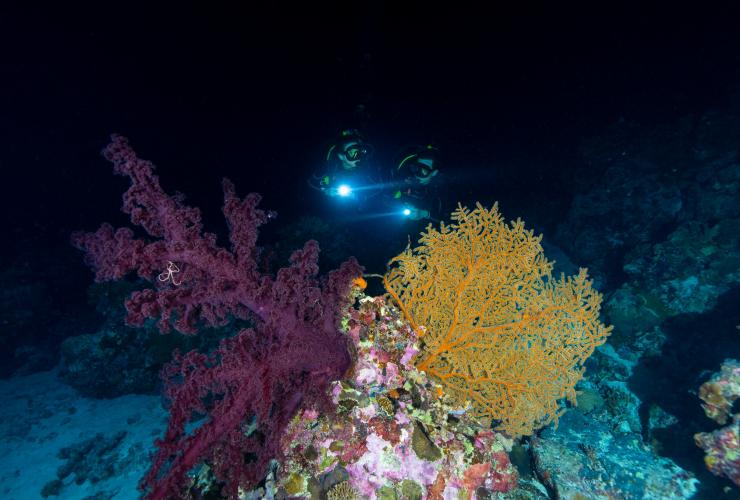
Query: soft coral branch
[288,360]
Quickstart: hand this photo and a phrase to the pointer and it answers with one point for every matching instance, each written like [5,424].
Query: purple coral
[286,362]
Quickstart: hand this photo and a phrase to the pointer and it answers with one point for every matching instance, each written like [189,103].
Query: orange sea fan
[500,332]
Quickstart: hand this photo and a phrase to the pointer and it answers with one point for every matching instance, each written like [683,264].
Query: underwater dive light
[413,213]
[344,190]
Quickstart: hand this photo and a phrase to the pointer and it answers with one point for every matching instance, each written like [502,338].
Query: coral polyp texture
[498,331]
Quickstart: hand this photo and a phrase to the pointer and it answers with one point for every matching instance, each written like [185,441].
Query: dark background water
[258,95]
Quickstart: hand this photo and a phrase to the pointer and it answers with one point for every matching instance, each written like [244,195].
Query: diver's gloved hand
[332,187]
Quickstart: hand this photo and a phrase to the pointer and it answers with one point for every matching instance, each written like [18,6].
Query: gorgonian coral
[499,332]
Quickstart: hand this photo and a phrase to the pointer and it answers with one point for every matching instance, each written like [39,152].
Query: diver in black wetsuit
[417,182]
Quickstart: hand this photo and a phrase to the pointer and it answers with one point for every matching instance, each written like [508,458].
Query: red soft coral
[287,361]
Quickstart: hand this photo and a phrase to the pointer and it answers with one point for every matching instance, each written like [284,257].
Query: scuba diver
[416,179]
[351,176]
[346,161]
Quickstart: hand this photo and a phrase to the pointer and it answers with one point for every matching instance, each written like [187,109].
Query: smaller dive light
[344,190]
[413,213]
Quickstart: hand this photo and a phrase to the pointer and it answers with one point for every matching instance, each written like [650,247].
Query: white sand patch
[39,415]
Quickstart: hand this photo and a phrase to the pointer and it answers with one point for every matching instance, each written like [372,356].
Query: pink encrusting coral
[395,434]
[269,372]
[722,447]
[720,392]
